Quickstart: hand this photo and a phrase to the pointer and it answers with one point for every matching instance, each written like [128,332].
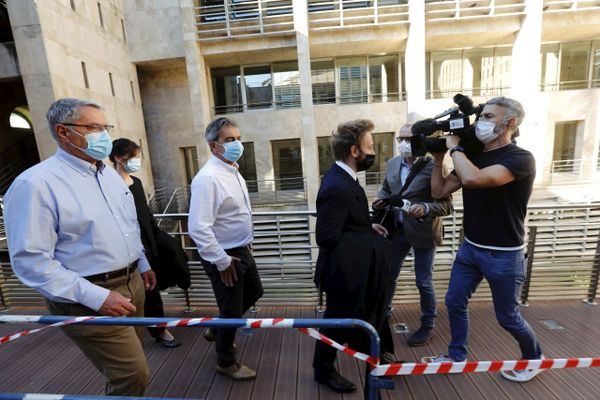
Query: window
[85,76]
[190,160]
[18,121]
[227,90]
[323,81]
[326,158]
[383,78]
[574,59]
[100,14]
[352,75]
[112,85]
[123,30]
[287,162]
[384,150]
[247,165]
[596,64]
[549,66]
[478,71]
[447,73]
[565,141]
[259,93]
[286,81]
[132,91]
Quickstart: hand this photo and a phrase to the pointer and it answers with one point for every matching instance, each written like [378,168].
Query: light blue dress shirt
[65,219]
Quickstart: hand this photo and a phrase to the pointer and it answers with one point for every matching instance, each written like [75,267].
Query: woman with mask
[126,157]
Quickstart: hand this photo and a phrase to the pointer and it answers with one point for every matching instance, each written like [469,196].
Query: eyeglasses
[94,127]
[402,139]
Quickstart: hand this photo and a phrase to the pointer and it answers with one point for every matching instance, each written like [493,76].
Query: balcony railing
[477,91]
[570,85]
[218,19]
[563,247]
[556,6]
[463,9]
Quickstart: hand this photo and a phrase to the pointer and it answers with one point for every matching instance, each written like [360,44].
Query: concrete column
[310,154]
[197,78]
[414,58]
[526,78]
[35,70]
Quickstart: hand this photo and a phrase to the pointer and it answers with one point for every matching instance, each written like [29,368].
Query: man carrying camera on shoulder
[497,185]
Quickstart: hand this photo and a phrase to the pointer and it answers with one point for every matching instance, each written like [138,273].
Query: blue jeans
[423,275]
[505,272]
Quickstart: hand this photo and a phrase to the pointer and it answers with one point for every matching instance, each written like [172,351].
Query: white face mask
[133,164]
[486,131]
[405,149]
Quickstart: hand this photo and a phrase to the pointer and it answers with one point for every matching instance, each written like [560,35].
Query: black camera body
[458,123]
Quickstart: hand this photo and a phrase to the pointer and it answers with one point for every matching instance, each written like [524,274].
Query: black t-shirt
[496,216]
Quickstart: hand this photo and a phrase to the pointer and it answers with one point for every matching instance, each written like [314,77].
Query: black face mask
[365,163]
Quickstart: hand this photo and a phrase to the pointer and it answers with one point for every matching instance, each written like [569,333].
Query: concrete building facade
[289,71]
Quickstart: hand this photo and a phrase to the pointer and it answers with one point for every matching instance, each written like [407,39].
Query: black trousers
[153,307]
[233,301]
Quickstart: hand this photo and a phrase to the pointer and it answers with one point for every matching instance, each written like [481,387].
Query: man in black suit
[349,267]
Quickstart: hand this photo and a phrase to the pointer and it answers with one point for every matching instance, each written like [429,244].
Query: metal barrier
[373,383]
[563,256]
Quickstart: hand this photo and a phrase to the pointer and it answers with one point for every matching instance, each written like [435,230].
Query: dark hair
[123,148]
[347,135]
[212,130]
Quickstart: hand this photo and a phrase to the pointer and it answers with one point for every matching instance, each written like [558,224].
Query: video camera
[458,123]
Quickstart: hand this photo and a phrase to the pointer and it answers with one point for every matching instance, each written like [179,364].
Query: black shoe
[390,358]
[420,337]
[337,383]
[170,344]
[209,335]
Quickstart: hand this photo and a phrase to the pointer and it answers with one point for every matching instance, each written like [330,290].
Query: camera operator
[497,185]
[409,178]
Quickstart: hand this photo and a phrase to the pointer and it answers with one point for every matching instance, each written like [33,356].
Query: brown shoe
[237,372]
[210,336]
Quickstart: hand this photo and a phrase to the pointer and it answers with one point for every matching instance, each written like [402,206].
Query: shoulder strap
[419,165]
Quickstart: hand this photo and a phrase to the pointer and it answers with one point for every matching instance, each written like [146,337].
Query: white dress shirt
[65,220]
[347,168]
[220,214]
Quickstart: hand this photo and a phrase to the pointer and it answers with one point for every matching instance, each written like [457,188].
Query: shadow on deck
[47,362]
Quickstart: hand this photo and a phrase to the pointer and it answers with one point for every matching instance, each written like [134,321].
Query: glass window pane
[247,165]
[565,138]
[190,159]
[447,73]
[384,150]
[326,158]
[596,65]
[574,58]
[352,73]
[259,93]
[323,81]
[502,70]
[549,67]
[383,78]
[478,72]
[227,90]
[287,163]
[286,80]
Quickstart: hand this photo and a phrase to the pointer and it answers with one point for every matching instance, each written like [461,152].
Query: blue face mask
[99,145]
[233,150]
[133,164]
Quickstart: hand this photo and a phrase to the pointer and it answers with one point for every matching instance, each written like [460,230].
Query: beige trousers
[116,351]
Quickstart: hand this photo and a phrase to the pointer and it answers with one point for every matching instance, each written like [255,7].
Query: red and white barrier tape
[481,366]
[373,361]
[15,336]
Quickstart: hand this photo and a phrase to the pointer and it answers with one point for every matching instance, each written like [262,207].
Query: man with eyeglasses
[73,236]
[417,226]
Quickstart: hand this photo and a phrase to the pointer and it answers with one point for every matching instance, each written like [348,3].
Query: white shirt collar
[233,168]
[346,168]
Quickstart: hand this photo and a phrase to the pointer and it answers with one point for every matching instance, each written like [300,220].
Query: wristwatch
[456,148]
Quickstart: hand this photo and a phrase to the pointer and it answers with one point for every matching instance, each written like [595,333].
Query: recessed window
[259,93]
[227,90]
[85,76]
[112,85]
[17,121]
[100,15]
[323,81]
[247,165]
[326,158]
[287,163]
[190,161]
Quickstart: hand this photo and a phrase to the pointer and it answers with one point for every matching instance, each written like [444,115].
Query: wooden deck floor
[47,362]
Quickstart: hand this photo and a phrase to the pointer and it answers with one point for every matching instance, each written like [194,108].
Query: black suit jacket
[343,232]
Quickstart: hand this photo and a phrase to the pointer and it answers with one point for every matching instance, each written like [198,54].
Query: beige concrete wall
[9,63]
[168,118]
[153,29]
[53,39]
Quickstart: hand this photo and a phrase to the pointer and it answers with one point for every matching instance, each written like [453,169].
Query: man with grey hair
[73,236]
[497,185]
[220,223]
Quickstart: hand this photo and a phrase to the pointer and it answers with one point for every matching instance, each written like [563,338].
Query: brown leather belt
[105,276]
